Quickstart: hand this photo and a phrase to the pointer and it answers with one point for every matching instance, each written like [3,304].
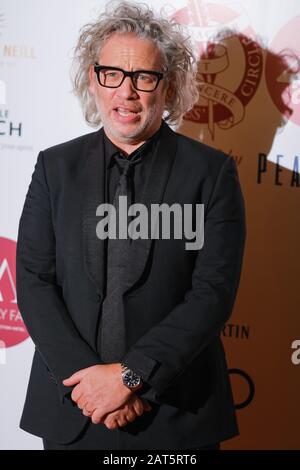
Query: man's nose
[126,89]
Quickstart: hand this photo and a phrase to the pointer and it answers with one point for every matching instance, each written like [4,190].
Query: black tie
[112,328]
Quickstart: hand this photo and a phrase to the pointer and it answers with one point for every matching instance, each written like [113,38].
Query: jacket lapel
[93,196]
[153,194]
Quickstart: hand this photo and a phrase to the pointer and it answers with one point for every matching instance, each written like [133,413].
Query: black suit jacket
[176,300]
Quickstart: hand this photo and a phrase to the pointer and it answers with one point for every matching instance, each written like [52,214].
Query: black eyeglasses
[113,77]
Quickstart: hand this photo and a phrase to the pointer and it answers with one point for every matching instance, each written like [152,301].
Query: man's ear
[91,79]
[169,93]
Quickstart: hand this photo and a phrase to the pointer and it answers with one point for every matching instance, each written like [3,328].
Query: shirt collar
[111,149]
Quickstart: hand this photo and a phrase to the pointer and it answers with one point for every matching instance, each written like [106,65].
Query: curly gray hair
[168,36]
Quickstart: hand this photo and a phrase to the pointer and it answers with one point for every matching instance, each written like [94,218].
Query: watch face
[131,379]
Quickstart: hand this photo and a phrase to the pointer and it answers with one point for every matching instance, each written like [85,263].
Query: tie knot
[125,164]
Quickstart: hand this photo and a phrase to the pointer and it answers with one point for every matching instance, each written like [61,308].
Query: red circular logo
[12,328]
[229,72]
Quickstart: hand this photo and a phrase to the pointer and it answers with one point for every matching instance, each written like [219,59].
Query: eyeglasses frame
[98,68]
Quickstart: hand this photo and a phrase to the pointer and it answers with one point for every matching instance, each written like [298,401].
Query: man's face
[129,116]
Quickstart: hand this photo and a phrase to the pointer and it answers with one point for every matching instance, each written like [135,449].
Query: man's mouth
[126,115]
[125,111]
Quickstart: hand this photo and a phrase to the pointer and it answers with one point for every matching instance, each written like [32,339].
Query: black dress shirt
[140,171]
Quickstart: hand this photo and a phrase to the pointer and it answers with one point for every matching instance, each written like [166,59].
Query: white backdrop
[36,41]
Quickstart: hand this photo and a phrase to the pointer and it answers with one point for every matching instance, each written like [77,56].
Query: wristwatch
[130,378]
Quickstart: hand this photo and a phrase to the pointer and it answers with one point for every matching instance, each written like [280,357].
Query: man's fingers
[134,408]
[86,413]
[110,420]
[96,417]
[138,407]
[87,410]
[73,379]
[122,421]
[130,415]
[76,395]
[81,403]
[120,418]
[111,424]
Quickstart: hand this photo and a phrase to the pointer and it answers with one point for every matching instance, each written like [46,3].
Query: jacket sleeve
[39,296]
[167,349]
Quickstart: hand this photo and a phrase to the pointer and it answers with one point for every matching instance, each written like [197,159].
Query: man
[128,353]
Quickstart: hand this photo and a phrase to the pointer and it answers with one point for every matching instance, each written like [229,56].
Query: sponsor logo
[224,95]
[231,330]
[243,386]
[263,167]
[12,328]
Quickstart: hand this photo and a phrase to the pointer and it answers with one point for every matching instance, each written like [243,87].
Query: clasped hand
[100,393]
